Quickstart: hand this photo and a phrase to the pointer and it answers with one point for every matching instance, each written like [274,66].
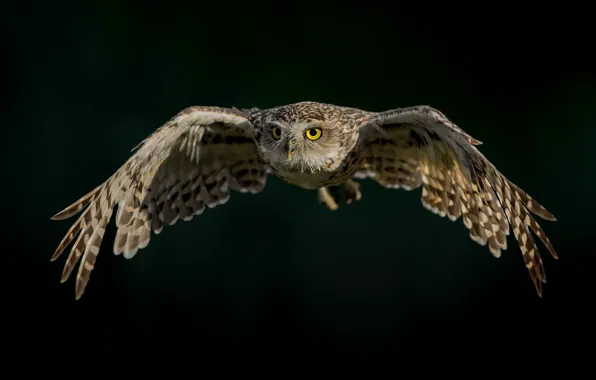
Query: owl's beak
[290,154]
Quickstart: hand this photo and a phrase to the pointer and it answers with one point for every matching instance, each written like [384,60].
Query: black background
[270,278]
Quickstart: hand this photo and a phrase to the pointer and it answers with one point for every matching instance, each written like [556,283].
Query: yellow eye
[313,133]
[276,133]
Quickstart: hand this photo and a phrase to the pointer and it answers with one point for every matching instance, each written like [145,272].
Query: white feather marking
[207,117]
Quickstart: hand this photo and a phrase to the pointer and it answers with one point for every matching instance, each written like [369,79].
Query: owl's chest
[309,181]
[318,179]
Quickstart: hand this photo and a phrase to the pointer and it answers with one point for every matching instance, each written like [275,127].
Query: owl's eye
[313,133]
[276,133]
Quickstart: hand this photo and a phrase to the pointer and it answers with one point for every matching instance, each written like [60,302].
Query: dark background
[268,278]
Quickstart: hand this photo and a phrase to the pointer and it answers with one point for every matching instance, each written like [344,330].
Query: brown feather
[456,179]
[188,164]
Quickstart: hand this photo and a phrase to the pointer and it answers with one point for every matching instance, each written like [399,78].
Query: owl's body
[193,161]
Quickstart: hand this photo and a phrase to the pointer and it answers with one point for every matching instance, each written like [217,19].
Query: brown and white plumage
[194,159]
[421,147]
[188,164]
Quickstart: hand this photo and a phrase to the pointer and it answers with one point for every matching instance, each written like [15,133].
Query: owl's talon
[352,191]
[328,198]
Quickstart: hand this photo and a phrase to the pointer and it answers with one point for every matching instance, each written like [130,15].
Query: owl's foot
[330,196]
[352,191]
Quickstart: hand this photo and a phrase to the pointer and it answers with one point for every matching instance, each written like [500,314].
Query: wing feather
[188,164]
[420,147]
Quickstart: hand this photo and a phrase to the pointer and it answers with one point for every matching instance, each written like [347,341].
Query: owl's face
[304,145]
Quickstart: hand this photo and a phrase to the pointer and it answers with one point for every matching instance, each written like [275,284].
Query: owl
[198,158]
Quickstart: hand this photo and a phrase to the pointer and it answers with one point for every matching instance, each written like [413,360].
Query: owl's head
[302,142]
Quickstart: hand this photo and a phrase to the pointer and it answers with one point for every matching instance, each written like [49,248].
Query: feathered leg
[328,196]
[352,191]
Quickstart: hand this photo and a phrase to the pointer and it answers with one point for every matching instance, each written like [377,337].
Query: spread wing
[186,165]
[418,146]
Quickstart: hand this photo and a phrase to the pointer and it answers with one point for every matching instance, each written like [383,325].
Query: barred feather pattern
[458,181]
[390,162]
[187,165]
